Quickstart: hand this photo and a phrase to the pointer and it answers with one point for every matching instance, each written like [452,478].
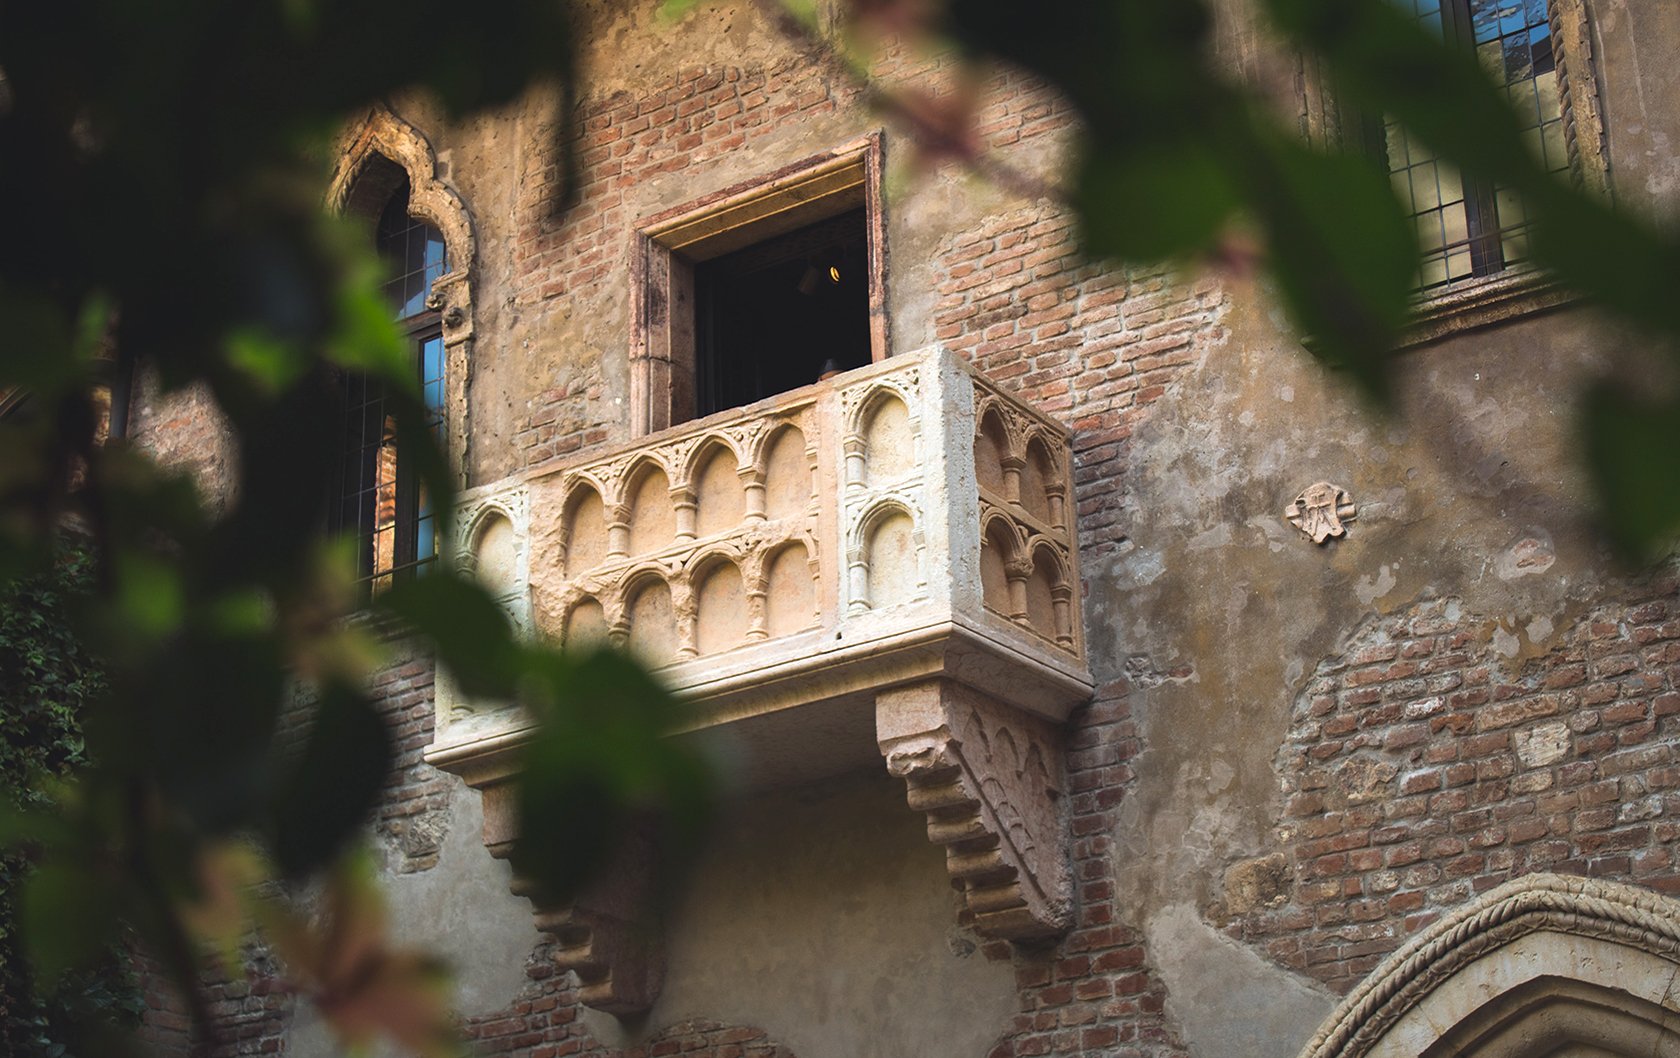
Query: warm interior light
[834,273]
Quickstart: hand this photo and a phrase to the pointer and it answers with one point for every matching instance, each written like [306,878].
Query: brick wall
[1091,344]
[625,140]
[1422,767]
[413,813]
[543,1023]
[1093,991]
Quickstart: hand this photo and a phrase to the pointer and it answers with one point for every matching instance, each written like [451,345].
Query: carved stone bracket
[989,778]
[609,936]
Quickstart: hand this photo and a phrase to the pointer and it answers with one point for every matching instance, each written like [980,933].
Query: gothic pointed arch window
[379,502]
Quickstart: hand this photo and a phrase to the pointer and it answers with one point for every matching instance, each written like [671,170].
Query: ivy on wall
[47,682]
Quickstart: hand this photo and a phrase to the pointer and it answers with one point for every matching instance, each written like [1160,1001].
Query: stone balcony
[879,565]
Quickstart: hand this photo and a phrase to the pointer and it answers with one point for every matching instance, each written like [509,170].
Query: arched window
[379,501]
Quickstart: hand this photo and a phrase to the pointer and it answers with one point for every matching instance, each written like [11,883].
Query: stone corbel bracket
[609,935]
[990,779]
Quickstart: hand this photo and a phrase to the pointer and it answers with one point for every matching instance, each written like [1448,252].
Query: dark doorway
[769,317]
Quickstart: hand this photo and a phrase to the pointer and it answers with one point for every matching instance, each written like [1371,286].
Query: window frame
[1523,288]
[666,246]
[374,154]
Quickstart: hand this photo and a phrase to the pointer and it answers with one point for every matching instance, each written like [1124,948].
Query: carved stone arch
[873,580]
[718,505]
[991,516]
[702,450]
[631,531]
[469,551]
[580,546]
[656,635]
[374,153]
[630,475]
[877,453]
[358,186]
[704,559]
[579,480]
[1516,956]
[728,597]
[883,508]
[1037,545]
[864,409]
[994,408]
[472,529]
[570,606]
[758,445]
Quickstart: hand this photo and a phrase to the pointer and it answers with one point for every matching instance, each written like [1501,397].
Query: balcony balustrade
[881,564]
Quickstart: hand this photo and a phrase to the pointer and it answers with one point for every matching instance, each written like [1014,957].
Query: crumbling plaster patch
[1227,999]
[461,906]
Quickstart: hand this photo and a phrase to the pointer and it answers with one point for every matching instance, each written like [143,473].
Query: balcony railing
[879,565]
[903,520]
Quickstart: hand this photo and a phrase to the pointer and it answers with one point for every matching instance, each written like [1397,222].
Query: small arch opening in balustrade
[718,490]
[585,625]
[653,623]
[584,530]
[652,518]
[991,447]
[998,547]
[1042,584]
[1038,475]
[722,617]
[889,439]
[788,486]
[890,554]
[495,554]
[790,590]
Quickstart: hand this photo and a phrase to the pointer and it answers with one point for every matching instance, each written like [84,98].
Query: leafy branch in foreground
[160,210]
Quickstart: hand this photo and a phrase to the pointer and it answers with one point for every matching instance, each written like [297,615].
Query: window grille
[381,504]
[1466,227]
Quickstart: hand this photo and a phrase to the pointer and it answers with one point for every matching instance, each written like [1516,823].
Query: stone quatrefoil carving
[898,537]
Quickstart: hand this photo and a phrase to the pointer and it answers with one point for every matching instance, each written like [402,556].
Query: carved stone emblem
[1320,510]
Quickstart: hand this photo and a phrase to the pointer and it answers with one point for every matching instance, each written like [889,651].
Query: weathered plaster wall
[823,915]
[1638,45]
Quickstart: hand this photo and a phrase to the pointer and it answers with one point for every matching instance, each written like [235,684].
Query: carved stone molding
[1549,928]
[609,936]
[374,153]
[989,778]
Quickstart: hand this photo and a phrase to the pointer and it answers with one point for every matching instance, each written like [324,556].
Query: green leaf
[273,364]
[1155,201]
[150,595]
[334,783]
[600,761]
[20,826]
[36,348]
[472,634]
[1633,448]
[68,919]
[1341,248]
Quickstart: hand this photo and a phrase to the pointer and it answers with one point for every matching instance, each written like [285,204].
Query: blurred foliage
[161,193]
[161,189]
[47,680]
